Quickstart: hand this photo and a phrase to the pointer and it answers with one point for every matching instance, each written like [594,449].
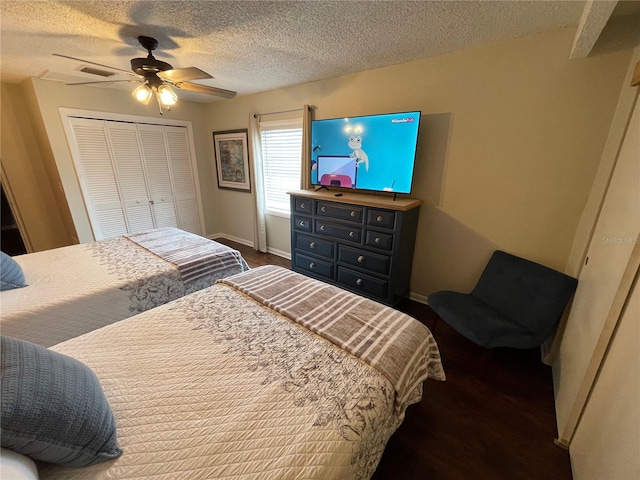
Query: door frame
[6,188]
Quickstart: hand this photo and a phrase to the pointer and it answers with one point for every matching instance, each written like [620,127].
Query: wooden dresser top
[364,199]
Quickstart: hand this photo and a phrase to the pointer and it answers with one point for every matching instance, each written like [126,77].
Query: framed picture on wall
[232,159]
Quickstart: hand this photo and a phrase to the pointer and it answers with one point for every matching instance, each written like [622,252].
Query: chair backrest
[529,293]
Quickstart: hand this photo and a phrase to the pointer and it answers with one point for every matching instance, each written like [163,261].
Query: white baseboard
[418,298]
[279,253]
[242,241]
[249,243]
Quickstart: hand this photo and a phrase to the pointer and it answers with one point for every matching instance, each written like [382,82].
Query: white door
[156,160]
[183,179]
[609,255]
[127,160]
[607,441]
[97,178]
[134,176]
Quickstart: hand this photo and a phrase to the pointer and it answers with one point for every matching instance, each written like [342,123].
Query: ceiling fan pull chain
[159,104]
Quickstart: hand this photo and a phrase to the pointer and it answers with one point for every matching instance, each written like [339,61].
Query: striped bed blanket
[194,256]
[397,345]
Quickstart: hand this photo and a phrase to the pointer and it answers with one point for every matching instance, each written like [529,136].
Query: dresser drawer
[351,213]
[315,245]
[361,282]
[302,223]
[381,218]
[304,205]
[314,266]
[343,232]
[362,259]
[378,239]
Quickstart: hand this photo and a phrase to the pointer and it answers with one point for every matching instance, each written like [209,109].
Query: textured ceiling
[252,46]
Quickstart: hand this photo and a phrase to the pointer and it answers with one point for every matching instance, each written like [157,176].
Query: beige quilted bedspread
[74,290]
[216,386]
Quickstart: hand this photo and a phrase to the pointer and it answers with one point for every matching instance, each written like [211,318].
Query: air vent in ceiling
[95,71]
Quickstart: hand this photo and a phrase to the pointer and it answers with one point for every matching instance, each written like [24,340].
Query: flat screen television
[372,152]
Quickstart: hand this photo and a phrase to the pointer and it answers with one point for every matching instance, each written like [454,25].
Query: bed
[267,374]
[74,290]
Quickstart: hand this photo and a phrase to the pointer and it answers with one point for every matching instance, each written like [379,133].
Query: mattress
[74,290]
[218,385]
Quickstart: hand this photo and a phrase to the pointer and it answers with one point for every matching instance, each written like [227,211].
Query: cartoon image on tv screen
[374,152]
[358,154]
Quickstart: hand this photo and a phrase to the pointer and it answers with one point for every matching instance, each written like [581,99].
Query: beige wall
[26,176]
[50,96]
[510,140]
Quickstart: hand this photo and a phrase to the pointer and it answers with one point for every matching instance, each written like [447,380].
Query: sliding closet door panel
[189,219]
[183,179]
[165,215]
[127,159]
[597,299]
[98,178]
[156,161]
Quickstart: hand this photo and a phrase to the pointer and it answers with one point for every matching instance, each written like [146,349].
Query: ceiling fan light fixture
[142,93]
[167,96]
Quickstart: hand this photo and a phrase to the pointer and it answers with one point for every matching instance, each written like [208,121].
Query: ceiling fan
[157,77]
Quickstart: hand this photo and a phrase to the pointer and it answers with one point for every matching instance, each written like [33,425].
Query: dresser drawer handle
[321,227]
[302,224]
[323,209]
[303,205]
[376,240]
[351,234]
[359,282]
[312,245]
[312,266]
[379,219]
[360,259]
[353,214]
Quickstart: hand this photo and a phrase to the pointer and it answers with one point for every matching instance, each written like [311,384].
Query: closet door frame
[67,114]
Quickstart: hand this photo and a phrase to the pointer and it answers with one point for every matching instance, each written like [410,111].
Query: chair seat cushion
[479,322]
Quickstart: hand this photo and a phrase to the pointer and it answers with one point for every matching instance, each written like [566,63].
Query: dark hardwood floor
[492,419]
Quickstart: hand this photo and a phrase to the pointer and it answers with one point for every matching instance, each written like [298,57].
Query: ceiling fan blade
[128,72]
[104,81]
[184,74]
[195,87]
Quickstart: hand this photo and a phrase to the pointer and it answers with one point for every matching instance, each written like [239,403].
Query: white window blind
[281,157]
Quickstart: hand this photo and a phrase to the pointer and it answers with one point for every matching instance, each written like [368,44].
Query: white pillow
[14,466]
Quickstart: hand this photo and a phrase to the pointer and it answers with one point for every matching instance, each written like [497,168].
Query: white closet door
[98,178]
[183,179]
[130,174]
[156,161]
[598,297]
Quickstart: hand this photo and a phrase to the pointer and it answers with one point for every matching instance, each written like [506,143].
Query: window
[281,157]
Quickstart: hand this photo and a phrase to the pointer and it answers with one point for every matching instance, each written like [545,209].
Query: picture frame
[232,160]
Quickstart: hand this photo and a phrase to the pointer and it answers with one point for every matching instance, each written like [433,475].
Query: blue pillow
[11,275]
[53,407]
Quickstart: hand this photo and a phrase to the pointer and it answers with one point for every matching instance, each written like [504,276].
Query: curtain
[257,185]
[305,169]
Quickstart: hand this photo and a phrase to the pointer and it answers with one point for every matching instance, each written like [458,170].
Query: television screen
[374,152]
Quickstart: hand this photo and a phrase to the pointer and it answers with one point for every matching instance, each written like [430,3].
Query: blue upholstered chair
[516,303]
